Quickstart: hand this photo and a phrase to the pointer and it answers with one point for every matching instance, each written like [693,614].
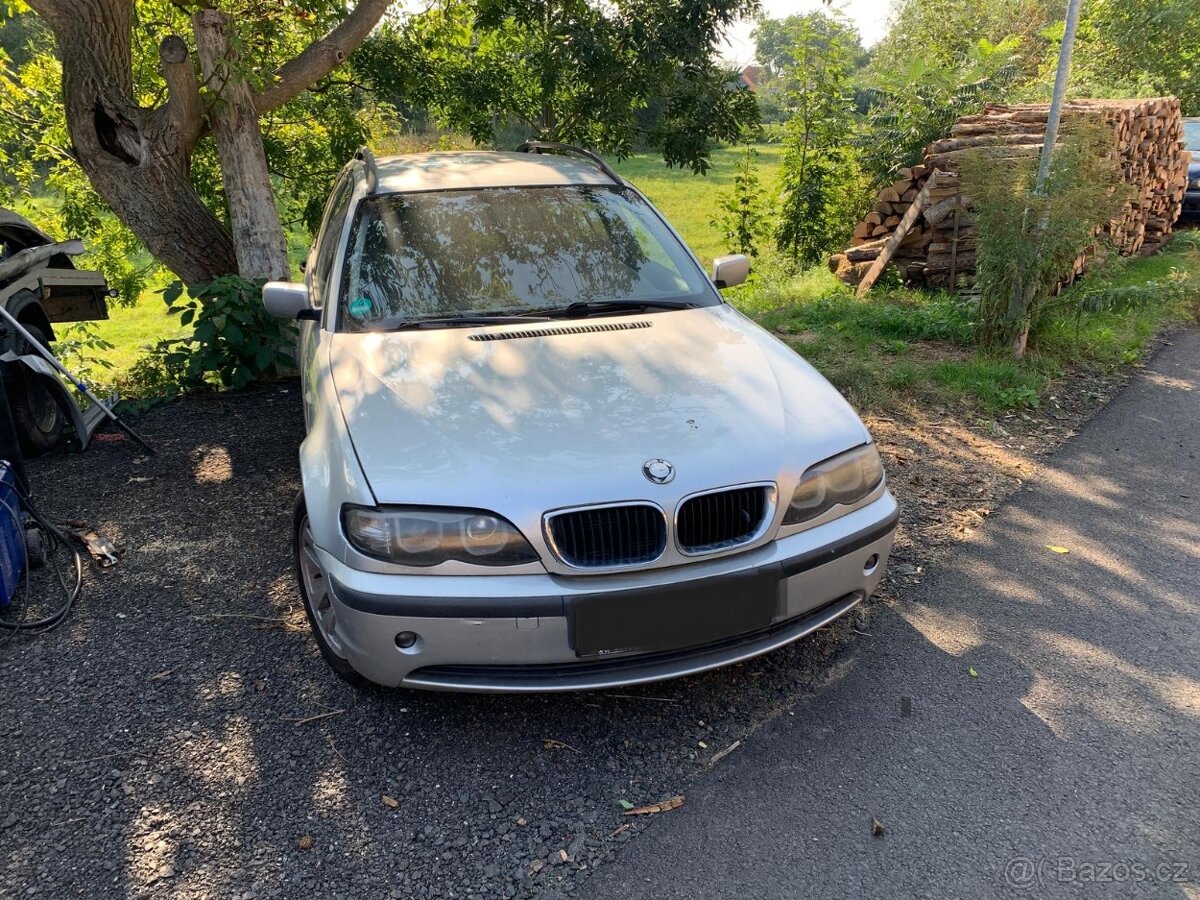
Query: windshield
[1191,135]
[499,251]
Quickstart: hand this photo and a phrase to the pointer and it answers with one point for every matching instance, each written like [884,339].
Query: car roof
[450,170]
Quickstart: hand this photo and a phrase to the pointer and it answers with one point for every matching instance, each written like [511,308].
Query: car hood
[524,418]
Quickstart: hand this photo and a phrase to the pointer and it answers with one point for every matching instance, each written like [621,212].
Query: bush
[745,217]
[824,194]
[234,341]
[1027,240]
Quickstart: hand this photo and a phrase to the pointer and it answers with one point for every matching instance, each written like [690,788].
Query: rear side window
[327,239]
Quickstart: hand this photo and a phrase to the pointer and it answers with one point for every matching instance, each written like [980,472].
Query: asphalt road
[1067,765]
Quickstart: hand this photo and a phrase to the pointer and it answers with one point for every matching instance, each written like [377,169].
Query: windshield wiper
[581,309]
[458,322]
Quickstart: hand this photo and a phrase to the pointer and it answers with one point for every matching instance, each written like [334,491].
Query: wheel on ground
[38,417]
[318,604]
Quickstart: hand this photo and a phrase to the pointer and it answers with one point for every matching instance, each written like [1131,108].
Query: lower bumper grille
[720,520]
[609,536]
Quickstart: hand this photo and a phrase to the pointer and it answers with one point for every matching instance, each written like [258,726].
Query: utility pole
[1018,303]
[1060,92]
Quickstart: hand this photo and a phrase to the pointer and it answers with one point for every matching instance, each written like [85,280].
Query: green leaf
[625,804]
[262,359]
[186,318]
[172,292]
[971,671]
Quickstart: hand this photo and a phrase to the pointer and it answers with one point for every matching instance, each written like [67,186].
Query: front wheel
[318,602]
[36,414]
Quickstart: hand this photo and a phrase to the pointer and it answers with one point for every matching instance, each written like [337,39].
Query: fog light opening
[872,564]
[409,642]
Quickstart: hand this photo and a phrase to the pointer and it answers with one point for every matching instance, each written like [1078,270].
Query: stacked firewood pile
[938,246]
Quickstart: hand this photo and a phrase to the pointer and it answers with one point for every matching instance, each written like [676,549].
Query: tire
[311,583]
[39,419]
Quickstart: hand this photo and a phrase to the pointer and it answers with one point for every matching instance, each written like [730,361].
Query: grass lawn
[133,329]
[902,346]
[690,201]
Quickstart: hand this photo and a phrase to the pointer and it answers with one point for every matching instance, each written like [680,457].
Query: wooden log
[893,243]
[938,211]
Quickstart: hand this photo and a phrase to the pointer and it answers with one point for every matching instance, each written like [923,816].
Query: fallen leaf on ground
[1056,549]
[653,808]
[562,854]
[552,744]
[391,802]
[971,671]
[623,827]
[307,842]
[522,821]
[877,828]
[625,804]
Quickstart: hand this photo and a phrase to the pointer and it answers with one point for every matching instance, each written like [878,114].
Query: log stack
[940,248]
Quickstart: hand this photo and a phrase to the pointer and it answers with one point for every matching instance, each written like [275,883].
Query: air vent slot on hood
[557,330]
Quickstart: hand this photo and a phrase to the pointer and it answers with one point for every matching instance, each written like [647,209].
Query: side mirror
[288,300]
[730,270]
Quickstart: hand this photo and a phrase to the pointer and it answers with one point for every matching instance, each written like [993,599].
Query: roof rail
[368,161]
[556,147]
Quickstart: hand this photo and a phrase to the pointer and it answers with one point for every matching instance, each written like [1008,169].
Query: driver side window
[330,234]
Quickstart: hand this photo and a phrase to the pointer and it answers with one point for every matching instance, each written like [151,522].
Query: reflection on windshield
[503,250]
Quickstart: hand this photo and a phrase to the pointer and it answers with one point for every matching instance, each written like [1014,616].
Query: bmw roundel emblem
[658,470]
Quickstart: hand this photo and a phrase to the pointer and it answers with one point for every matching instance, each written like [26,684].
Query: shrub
[234,341]
[824,193]
[1027,240]
[1176,287]
[80,348]
[745,215]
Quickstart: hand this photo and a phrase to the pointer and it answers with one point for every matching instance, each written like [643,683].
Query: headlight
[843,479]
[427,536]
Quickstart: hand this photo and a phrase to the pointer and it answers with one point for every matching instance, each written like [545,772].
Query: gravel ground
[151,748]
[181,737]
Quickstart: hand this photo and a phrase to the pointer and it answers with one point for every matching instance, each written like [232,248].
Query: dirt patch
[940,351]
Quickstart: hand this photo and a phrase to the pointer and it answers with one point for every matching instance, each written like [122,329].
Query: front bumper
[514,632]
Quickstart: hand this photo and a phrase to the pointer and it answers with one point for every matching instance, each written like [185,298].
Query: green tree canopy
[574,70]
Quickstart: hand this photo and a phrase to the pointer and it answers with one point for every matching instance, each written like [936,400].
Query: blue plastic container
[12,540]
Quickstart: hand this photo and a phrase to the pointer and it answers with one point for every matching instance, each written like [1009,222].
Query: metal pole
[1060,92]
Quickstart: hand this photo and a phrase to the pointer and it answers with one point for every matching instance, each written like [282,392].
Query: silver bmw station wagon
[542,453]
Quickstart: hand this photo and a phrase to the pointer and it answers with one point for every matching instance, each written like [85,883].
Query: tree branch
[184,110]
[322,56]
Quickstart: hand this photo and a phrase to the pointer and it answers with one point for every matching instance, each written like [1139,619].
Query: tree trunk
[135,158]
[258,238]
[138,159]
